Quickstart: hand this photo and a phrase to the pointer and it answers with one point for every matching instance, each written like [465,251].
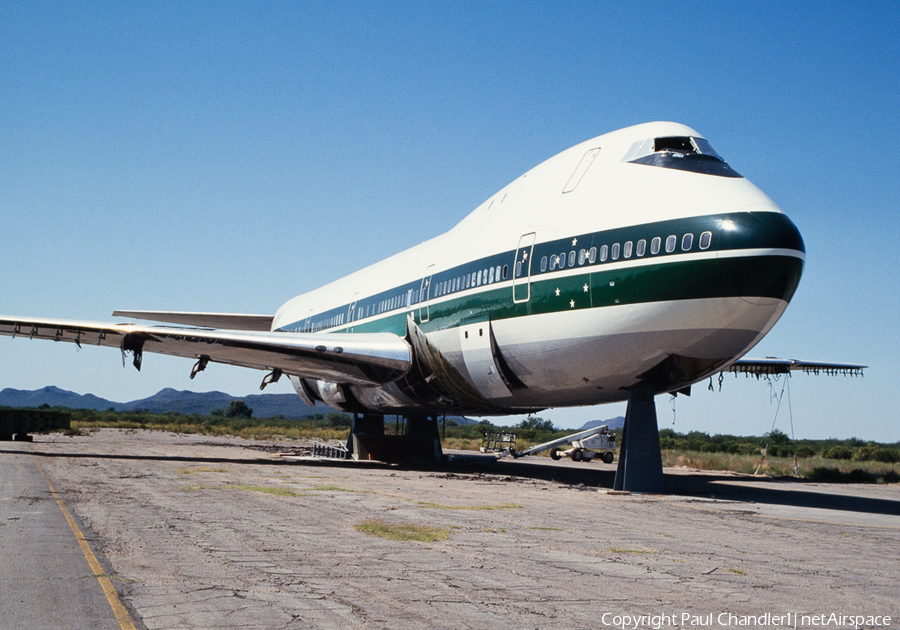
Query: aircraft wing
[771,365]
[358,359]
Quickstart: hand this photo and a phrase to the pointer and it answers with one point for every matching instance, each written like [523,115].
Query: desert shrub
[804,452]
[886,455]
[838,452]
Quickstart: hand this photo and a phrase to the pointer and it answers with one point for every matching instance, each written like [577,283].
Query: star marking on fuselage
[585,287]
[574,242]
[571,303]
[557,292]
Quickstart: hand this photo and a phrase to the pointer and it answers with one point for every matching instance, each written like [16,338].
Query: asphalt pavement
[47,582]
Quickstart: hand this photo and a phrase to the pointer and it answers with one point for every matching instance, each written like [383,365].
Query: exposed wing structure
[761,367]
[358,359]
[261,323]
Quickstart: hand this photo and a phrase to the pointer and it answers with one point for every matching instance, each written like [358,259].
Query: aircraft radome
[633,264]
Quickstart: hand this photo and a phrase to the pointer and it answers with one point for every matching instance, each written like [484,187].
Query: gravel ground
[221,533]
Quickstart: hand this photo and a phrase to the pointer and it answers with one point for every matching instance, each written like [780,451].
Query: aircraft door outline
[351,311]
[522,269]
[424,294]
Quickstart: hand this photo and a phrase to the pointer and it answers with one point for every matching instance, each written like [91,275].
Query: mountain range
[613,423]
[200,403]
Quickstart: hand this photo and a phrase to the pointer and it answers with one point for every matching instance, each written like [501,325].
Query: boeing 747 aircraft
[633,264]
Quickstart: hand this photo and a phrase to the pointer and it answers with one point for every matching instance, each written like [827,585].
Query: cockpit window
[677,144]
[685,153]
[705,148]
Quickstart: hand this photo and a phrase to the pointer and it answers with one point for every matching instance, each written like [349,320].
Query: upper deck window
[684,153]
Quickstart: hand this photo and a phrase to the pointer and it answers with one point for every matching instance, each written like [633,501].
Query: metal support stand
[640,458]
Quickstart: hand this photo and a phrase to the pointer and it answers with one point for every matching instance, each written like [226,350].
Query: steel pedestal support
[640,459]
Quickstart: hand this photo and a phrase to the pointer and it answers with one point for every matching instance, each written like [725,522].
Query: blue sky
[194,156]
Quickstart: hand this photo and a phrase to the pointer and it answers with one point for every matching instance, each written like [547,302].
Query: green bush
[838,452]
[886,455]
[668,443]
[804,452]
[238,409]
[778,437]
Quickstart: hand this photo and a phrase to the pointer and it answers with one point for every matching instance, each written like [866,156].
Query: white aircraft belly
[596,352]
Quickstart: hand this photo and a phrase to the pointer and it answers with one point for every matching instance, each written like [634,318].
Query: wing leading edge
[358,359]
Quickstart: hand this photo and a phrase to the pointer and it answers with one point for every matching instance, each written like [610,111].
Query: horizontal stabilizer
[230,321]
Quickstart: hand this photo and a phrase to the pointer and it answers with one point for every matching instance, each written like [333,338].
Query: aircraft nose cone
[761,255]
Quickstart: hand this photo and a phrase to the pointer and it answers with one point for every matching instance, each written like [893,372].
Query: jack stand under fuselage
[417,441]
[640,458]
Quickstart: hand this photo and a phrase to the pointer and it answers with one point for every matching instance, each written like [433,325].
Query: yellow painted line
[785,518]
[112,596]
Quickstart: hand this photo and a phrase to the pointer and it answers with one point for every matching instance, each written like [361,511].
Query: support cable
[768,439]
[793,439]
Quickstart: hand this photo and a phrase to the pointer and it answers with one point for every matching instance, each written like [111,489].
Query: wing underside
[358,359]
[761,367]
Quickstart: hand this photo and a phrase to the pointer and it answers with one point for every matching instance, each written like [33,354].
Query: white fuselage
[564,287]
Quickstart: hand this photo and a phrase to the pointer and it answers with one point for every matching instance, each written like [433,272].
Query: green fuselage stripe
[598,284]
[753,276]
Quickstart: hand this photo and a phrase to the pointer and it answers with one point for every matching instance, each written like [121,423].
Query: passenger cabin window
[670,243]
[655,245]
[592,255]
[543,266]
[705,240]
[641,248]
[604,253]
[572,258]
[626,253]
[615,251]
[687,242]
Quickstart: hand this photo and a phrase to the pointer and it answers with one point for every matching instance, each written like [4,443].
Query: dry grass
[438,506]
[322,434]
[418,533]
[812,468]
[277,491]
[200,469]
[546,529]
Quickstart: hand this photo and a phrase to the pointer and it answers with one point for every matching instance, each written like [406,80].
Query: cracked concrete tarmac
[213,533]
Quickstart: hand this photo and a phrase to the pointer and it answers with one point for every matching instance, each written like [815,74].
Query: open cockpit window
[684,153]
